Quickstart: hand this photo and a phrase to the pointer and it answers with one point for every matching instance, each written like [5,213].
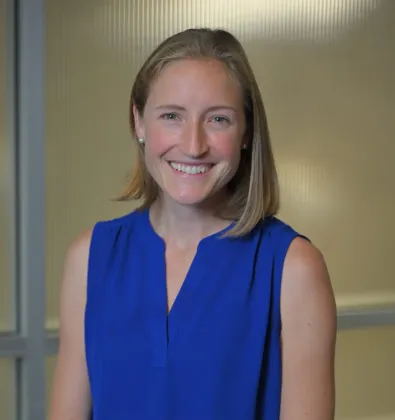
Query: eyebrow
[210,109]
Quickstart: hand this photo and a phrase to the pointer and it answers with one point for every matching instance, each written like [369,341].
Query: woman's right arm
[70,392]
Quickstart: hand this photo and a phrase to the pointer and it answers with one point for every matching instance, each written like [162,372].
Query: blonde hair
[254,190]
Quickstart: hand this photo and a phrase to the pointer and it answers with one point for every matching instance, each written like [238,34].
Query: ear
[138,123]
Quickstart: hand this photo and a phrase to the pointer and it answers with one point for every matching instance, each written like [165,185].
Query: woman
[174,311]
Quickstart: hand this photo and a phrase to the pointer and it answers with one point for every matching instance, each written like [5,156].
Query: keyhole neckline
[152,234]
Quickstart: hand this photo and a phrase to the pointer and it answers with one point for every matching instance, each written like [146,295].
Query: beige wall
[365,374]
[7,394]
[330,97]
[329,89]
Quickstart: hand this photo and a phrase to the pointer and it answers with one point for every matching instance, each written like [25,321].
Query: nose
[195,140]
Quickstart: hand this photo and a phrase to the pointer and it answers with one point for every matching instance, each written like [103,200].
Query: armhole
[94,258]
[283,240]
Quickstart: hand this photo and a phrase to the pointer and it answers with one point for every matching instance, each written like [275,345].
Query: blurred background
[326,70]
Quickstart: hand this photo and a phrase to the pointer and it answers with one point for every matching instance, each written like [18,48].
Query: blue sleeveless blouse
[215,356]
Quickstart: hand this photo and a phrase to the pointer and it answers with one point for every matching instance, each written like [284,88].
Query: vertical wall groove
[326,72]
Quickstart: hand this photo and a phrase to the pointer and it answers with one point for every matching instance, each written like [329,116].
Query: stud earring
[141,140]
[244,147]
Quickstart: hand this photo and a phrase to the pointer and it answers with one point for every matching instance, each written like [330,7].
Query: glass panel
[6,190]
[50,365]
[8,389]
[365,374]
[326,70]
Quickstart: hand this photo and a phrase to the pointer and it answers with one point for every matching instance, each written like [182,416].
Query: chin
[189,198]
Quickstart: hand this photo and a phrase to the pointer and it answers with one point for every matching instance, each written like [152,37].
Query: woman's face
[193,126]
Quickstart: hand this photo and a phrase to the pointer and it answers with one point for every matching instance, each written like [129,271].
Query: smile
[190,169]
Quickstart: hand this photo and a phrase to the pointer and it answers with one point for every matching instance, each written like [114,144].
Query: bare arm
[308,336]
[70,392]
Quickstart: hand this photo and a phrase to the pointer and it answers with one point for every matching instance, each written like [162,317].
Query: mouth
[183,168]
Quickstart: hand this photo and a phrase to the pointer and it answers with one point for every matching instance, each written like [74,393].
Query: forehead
[195,81]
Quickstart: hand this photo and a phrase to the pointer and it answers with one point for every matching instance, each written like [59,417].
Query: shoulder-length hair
[254,190]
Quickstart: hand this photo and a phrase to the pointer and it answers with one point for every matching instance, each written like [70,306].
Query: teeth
[192,170]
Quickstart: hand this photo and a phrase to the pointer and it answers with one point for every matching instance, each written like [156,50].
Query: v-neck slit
[166,323]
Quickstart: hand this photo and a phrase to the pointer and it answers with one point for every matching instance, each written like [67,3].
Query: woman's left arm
[308,313]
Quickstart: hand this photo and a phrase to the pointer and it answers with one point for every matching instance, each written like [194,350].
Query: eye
[220,120]
[169,116]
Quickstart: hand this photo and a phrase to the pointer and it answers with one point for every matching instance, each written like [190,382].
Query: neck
[183,225]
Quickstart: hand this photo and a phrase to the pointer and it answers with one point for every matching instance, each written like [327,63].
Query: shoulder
[94,245]
[308,334]
[129,220]
[307,297]
[305,283]
[78,250]
[305,271]
[281,233]
[305,260]
[104,230]
[76,261]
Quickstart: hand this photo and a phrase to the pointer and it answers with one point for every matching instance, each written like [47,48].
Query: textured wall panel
[365,374]
[8,387]
[326,70]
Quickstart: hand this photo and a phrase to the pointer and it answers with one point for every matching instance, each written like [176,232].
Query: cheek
[228,148]
[157,141]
